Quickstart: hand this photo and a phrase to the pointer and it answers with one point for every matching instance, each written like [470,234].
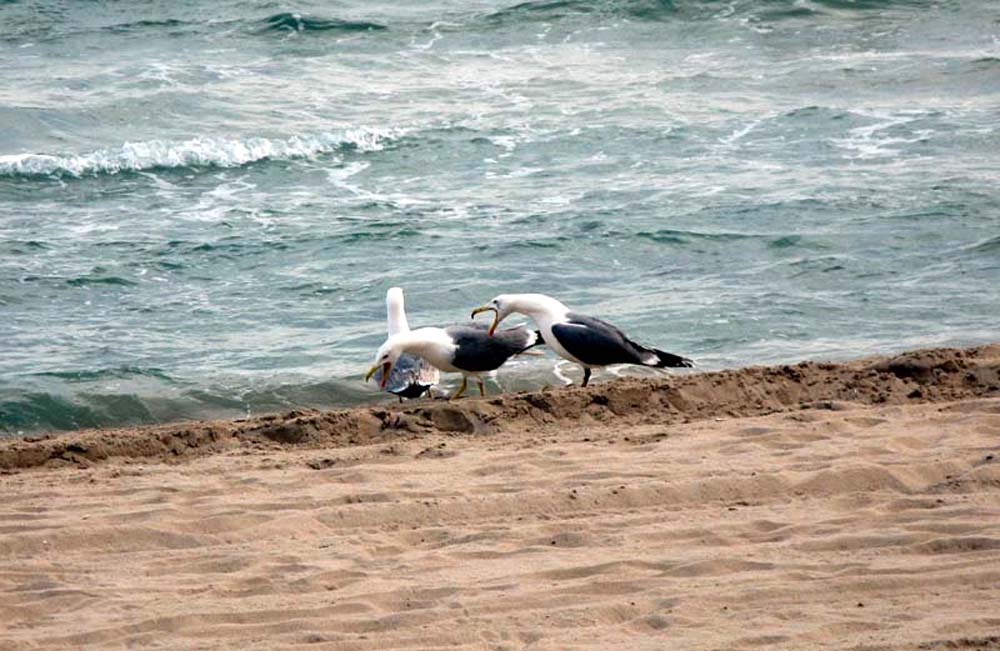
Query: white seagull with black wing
[467,349]
[411,376]
[581,339]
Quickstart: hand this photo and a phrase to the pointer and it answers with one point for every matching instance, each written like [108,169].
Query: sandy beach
[844,506]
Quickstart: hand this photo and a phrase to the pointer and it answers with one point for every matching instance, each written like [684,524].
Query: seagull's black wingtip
[669,360]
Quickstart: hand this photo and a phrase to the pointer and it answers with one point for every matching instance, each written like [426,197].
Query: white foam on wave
[738,134]
[196,152]
[558,370]
[876,140]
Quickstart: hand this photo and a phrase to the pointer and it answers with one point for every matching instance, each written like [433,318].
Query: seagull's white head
[386,357]
[533,305]
[502,307]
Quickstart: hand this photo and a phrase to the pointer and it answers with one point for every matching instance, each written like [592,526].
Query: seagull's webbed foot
[461,389]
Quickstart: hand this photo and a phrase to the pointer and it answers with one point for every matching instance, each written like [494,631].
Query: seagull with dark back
[584,340]
[471,350]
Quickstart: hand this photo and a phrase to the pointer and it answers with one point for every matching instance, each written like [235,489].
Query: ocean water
[203,203]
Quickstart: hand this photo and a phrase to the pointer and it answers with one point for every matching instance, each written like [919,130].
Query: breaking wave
[193,153]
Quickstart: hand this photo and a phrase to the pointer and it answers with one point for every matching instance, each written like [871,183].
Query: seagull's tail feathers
[518,339]
[667,360]
[534,339]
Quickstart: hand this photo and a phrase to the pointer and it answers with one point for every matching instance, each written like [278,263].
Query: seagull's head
[386,357]
[502,306]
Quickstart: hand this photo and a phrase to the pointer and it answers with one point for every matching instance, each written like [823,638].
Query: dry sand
[851,506]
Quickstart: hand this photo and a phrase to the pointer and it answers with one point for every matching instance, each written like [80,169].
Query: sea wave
[988,245]
[535,10]
[149,24]
[287,21]
[871,5]
[697,11]
[115,373]
[675,236]
[777,11]
[196,152]
[26,28]
[84,399]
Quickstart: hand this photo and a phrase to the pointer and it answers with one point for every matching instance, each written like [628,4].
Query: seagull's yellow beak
[496,316]
[386,369]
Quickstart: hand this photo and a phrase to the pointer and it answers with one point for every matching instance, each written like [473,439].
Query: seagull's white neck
[541,308]
[395,312]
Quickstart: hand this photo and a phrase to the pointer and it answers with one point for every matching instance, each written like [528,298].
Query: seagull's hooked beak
[496,316]
[386,369]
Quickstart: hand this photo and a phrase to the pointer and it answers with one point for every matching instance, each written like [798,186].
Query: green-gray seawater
[203,203]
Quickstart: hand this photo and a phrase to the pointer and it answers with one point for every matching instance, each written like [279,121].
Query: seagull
[581,339]
[467,349]
[411,377]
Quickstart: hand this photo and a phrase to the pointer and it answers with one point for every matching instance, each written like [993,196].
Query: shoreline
[914,377]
